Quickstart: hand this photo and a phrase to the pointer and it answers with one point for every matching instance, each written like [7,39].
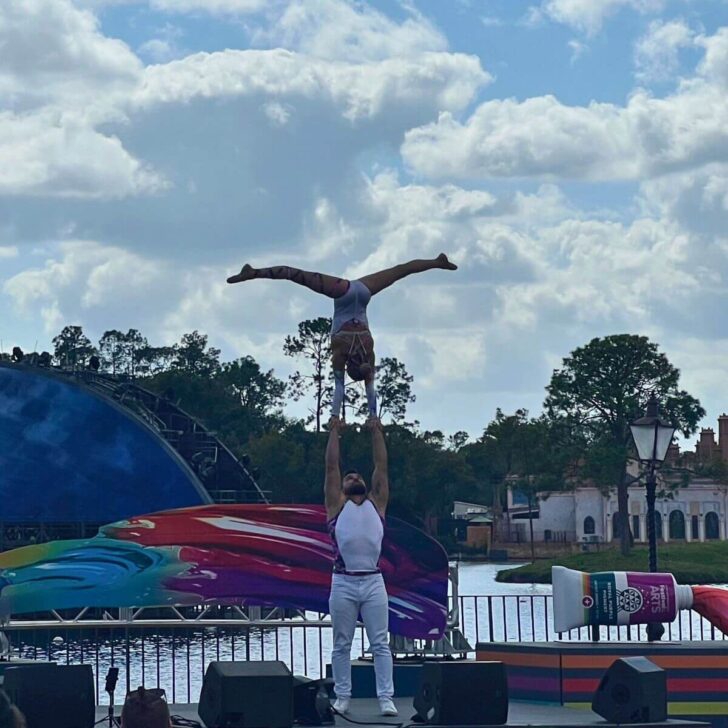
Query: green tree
[259,392]
[600,388]
[72,347]
[111,351]
[503,442]
[313,346]
[194,356]
[134,344]
[152,360]
[458,440]
[394,390]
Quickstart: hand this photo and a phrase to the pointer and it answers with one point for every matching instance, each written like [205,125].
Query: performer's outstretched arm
[318,282]
[380,476]
[376,282]
[333,494]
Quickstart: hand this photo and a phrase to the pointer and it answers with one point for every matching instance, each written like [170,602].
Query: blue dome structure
[81,449]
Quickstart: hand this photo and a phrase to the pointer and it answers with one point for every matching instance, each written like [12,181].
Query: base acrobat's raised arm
[352,345]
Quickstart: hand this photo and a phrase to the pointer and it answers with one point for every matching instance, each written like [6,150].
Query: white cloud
[52,51]
[536,137]
[83,277]
[577,49]
[714,65]
[541,137]
[158,50]
[332,29]
[491,21]
[8,251]
[210,6]
[588,16]
[50,153]
[434,80]
[656,53]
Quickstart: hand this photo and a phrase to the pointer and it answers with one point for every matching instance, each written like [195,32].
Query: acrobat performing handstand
[352,345]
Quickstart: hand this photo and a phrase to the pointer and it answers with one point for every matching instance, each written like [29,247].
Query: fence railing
[174,653]
[529,618]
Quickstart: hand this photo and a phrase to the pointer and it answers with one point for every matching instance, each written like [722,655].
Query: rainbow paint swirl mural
[270,555]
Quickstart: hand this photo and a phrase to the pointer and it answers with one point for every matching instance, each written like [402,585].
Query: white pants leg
[344,609]
[351,595]
[375,615]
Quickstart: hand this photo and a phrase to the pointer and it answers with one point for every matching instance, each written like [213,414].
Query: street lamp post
[652,437]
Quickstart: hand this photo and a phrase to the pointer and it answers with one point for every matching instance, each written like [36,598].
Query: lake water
[176,660]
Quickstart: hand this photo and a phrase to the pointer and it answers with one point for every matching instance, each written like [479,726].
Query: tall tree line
[582,437]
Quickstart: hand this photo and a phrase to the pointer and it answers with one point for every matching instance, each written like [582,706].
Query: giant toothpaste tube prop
[615,597]
[627,597]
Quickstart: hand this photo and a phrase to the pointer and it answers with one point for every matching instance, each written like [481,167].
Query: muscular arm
[333,495]
[380,477]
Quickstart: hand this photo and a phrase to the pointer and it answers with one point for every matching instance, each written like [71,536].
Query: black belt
[357,573]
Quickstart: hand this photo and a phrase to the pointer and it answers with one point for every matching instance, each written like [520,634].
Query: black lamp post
[652,437]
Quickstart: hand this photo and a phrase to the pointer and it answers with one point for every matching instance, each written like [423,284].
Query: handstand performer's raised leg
[376,282]
[318,282]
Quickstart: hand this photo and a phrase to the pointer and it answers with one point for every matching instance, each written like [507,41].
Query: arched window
[589,526]
[712,525]
[677,525]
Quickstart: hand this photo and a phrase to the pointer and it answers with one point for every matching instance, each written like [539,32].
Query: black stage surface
[519,714]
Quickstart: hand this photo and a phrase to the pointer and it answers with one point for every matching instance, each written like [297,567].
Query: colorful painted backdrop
[275,555]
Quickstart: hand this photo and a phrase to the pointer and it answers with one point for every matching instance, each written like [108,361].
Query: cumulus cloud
[50,50]
[49,153]
[656,52]
[541,137]
[588,16]
[333,29]
[434,80]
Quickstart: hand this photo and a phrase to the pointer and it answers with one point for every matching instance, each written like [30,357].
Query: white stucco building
[694,513]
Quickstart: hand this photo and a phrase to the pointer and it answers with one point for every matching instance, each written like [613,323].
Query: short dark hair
[351,471]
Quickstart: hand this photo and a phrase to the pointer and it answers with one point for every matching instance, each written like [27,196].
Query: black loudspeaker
[247,695]
[312,701]
[633,690]
[53,695]
[463,693]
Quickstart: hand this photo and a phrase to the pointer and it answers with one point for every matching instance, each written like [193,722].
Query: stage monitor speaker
[463,693]
[47,694]
[256,694]
[312,701]
[633,690]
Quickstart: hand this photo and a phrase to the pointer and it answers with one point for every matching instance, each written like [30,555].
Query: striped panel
[697,673]
[532,673]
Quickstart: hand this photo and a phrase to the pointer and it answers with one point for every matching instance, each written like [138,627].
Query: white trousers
[351,596]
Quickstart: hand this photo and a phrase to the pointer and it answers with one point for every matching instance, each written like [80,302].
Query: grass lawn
[693,563]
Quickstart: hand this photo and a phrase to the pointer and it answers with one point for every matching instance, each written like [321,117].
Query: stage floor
[519,714]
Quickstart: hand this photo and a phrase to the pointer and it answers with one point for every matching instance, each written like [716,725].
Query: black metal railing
[174,653]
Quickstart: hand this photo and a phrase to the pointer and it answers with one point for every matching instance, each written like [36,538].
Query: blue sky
[570,155]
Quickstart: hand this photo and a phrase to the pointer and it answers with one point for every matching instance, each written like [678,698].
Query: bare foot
[247,272]
[445,263]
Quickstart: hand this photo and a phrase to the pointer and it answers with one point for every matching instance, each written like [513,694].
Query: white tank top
[358,533]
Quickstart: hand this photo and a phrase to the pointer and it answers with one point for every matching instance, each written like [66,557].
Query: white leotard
[352,306]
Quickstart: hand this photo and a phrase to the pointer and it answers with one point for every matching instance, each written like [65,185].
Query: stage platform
[519,714]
